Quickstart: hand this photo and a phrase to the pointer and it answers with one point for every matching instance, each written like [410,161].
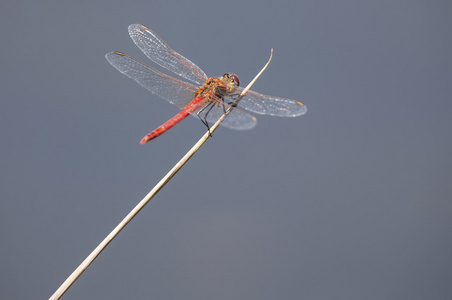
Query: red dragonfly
[205,97]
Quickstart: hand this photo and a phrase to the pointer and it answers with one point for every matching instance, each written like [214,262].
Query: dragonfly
[207,98]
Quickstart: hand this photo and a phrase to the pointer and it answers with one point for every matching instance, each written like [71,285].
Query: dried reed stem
[82,267]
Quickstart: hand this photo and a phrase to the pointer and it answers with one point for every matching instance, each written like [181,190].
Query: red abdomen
[195,104]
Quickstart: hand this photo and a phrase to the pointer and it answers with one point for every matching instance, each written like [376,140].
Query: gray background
[351,201]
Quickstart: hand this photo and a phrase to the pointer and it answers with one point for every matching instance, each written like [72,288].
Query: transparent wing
[270,105]
[178,92]
[160,53]
[237,119]
[175,91]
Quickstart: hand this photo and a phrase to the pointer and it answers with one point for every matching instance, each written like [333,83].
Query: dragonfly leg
[204,118]
[234,97]
[225,107]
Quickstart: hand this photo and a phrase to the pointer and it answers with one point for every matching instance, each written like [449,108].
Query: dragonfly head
[232,79]
[227,84]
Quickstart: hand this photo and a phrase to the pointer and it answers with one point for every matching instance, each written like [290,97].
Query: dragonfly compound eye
[236,79]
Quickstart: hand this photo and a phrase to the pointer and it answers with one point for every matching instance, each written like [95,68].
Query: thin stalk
[88,260]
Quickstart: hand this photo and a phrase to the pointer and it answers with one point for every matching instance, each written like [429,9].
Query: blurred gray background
[351,201]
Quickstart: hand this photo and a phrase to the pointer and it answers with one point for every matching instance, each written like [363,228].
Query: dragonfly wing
[270,105]
[173,90]
[160,53]
[237,119]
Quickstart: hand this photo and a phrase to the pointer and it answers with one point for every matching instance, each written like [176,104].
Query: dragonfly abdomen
[195,104]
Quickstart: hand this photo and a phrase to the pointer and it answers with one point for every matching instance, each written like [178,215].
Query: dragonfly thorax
[220,87]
